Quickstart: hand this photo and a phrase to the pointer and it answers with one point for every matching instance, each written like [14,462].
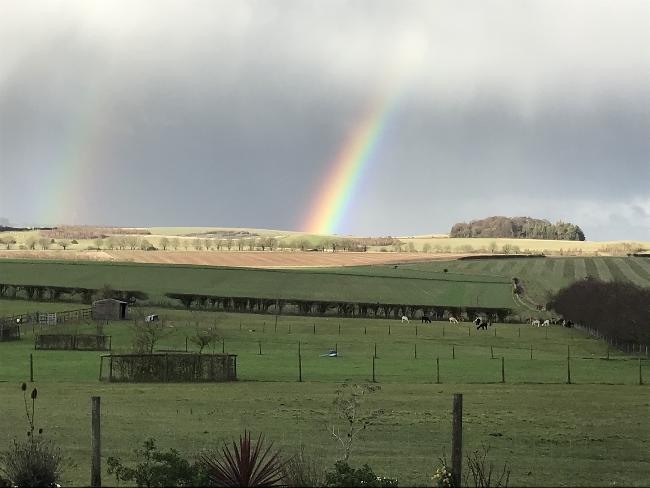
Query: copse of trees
[617,310]
[518,227]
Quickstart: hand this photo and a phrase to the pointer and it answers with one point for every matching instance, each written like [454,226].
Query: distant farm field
[373,284]
[592,432]
[247,259]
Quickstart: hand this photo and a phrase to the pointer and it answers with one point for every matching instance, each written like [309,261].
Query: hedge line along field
[547,430]
[368,285]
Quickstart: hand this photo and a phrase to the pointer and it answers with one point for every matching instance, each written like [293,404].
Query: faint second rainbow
[333,199]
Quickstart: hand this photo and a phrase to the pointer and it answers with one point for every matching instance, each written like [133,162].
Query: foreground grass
[590,433]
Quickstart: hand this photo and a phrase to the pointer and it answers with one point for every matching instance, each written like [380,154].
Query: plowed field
[251,259]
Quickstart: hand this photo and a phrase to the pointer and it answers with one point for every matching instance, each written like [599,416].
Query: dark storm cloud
[229,113]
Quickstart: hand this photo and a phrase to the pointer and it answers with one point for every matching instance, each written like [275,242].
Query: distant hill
[518,228]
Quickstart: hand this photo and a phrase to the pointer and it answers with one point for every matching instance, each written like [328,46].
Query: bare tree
[426,247]
[30,243]
[350,410]
[205,338]
[111,242]
[164,243]
[175,243]
[196,243]
[64,243]
[208,243]
[99,242]
[44,242]
[147,335]
[229,243]
[132,242]
[186,244]
[240,244]
[251,244]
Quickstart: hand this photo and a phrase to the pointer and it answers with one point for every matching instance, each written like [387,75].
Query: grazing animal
[151,318]
[426,320]
[483,325]
[453,320]
[546,323]
[535,323]
[19,320]
[477,321]
[405,318]
[567,323]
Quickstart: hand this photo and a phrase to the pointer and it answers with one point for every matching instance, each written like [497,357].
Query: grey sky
[230,113]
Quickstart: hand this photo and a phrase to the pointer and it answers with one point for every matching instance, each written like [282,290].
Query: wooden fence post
[520,332]
[389,328]
[415,351]
[453,352]
[299,364]
[375,350]
[531,351]
[438,370]
[31,367]
[260,346]
[443,330]
[276,324]
[491,352]
[416,331]
[640,373]
[339,328]
[373,370]
[314,329]
[365,330]
[223,346]
[568,370]
[186,343]
[503,369]
[95,444]
[495,332]
[457,439]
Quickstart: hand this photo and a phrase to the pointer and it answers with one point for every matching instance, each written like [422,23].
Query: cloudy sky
[230,113]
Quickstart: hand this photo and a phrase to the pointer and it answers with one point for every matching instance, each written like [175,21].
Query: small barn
[109,309]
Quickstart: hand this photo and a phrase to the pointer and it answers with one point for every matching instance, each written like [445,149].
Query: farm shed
[109,309]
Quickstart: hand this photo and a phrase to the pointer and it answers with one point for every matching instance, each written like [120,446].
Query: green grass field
[591,432]
[374,284]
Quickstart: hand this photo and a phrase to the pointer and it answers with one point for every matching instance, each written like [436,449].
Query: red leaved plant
[246,464]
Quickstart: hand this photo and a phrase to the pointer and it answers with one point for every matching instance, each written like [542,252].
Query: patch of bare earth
[247,259]
[57,254]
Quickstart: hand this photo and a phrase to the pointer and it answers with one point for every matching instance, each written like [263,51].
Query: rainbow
[333,200]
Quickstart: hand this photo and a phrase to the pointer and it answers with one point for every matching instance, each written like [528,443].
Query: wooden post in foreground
[95,444]
[457,439]
[503,370]
[31,367]
[299,364]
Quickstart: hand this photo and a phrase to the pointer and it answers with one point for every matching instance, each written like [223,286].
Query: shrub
[34,462]
[303,470]
[245,465]
[482,473]
[346,475]
[156,468]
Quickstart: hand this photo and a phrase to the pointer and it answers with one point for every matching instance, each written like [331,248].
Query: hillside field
[380,284]
[547,430]
[467,282]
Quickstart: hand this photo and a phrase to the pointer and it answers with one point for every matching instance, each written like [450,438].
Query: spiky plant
[246,464]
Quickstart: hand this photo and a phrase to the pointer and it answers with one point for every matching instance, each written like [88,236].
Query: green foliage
[345,475]
[247,464]
[518,227]
[158,469]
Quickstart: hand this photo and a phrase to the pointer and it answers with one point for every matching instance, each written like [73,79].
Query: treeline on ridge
[518,228]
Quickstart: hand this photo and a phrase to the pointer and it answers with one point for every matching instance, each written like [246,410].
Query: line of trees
[76,293]
[518,227]
[617,310]
[338,308]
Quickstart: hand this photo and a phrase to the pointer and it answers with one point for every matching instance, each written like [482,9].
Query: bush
[156,468]
[346,475]
[34,462]
[247,464]
[303,470]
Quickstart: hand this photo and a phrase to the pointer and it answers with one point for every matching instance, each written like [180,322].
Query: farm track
[245,259]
